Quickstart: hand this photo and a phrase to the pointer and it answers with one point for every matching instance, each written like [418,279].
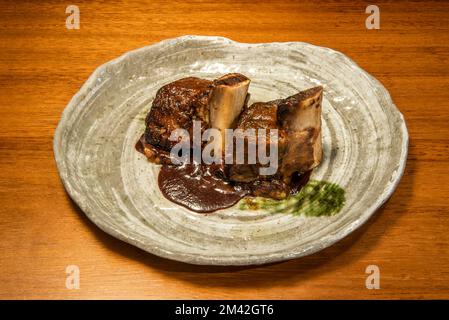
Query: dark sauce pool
[198,187]
[202,188]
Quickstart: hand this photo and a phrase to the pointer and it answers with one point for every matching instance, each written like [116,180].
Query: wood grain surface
[43,64]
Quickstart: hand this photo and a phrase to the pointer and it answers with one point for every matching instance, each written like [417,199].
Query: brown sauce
[198,187]
[202,188]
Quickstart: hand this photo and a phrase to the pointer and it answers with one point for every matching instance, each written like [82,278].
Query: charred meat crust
[175,106]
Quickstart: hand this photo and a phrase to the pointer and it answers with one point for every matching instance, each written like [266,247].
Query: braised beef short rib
[222,104]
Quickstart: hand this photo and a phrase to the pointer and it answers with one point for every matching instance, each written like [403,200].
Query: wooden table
[42,64]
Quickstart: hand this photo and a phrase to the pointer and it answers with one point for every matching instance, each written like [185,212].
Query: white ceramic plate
[364,135]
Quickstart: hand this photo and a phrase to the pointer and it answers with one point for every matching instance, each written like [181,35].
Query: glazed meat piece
[175,106]
[298,120]
[300,117]
[260,115]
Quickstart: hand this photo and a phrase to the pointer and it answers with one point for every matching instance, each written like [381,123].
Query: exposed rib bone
[227,100]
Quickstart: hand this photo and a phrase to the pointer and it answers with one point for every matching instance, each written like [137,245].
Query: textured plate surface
[364,135]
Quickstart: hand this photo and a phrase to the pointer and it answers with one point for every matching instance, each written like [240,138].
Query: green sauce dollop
[316,198]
